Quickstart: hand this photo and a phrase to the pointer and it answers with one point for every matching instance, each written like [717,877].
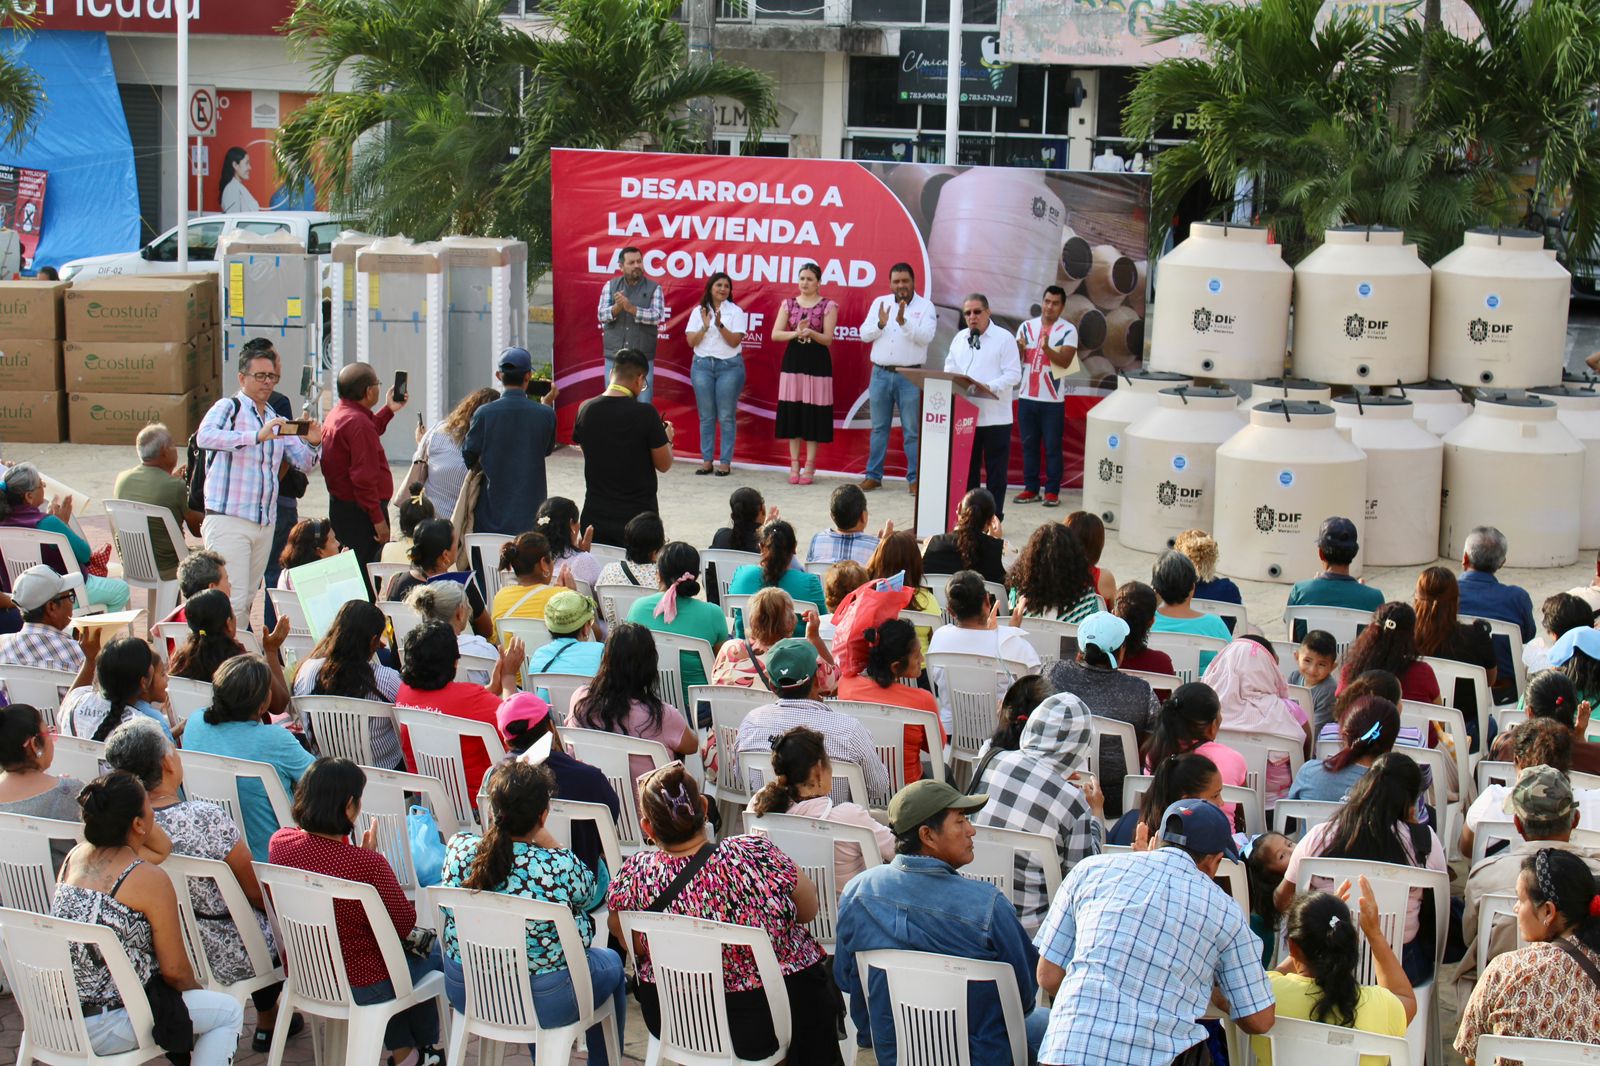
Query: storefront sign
[925,66]
[998,230]
[22,206]
[252,18]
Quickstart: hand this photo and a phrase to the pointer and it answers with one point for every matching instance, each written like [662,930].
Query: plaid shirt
[1143,938]
[242,475]
[40,645]
[842,737]
[832,546]
[646,315]
[1028,790]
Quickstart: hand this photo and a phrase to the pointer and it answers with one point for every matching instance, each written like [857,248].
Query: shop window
[875,94]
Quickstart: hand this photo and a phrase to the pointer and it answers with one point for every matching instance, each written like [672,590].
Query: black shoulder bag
[667,897]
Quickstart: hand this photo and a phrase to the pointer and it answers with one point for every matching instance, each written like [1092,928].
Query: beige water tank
[1169,467]
[1137,394]
[1438,406]
[1512,464]
[1360,309]
[1222,304]
[1405,473]
[1499,312]
[1278,478]
[998,231]
[1302,389]
[1578,408]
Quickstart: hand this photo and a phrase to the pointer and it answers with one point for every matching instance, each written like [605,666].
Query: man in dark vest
[630,312]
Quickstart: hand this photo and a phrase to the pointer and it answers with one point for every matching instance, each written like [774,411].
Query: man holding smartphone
[354,463]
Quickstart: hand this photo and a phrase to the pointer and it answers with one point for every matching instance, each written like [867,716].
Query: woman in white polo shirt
[715,330]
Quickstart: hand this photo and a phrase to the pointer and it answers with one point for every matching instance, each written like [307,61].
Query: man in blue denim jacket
[919,902]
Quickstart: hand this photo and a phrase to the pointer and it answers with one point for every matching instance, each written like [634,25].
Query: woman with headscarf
[1255,699]
[1044,787]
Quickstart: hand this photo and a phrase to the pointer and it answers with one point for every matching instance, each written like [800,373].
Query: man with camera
[354,463]
[244,443]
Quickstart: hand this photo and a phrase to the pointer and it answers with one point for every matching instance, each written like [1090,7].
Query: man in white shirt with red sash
[1048,346]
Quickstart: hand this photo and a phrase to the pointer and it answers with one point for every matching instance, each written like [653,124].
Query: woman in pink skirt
[805,383]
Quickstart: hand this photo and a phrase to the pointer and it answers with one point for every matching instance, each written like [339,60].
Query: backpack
[199,458]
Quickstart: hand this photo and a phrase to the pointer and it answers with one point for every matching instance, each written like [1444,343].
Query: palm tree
[451,113]
[21,88]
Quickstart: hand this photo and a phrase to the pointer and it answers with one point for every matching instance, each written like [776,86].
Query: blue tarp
[91,202]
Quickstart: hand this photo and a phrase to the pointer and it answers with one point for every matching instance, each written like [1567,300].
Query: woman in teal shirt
[21,505]
[778,546]
[234,726]
[675,610]
[1174,578]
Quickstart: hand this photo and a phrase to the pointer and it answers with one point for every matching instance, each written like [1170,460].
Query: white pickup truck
[317,228]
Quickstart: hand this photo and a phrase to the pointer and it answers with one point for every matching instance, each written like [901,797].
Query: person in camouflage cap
[1541,804]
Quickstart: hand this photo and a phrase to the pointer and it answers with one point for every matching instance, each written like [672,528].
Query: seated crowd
[1141,896]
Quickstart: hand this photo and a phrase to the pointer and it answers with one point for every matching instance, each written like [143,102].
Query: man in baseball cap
[1338,541]
[1134,945]
[920,902]
[45,599]
[508,441]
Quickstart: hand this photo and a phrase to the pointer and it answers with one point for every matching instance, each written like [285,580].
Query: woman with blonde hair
[437,465]
[769,618]
[1201,549]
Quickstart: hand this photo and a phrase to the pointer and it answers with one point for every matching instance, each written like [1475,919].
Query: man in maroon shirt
[353,461]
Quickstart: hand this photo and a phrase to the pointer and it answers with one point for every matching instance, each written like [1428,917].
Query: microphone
[974,340]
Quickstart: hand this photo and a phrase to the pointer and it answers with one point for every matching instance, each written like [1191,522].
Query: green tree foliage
[21,88]
[450,113]
[1339,122]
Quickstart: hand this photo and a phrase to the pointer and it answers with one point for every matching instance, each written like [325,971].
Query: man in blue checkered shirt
[1135,944]
[848,539]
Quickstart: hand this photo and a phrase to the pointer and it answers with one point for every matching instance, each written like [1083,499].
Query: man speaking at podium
[987,354]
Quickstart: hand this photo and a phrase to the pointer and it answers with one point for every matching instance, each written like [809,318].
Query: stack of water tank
[1169,472]
[1579,410]
[1222,304]
[1277,479]
[1137,394]
[1359,313]
[1437,406]
[1512,464]
[1302,389]
[1500,312]
[1405,473]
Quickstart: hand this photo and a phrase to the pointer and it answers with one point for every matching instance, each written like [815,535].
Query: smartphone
[400,385]
[308,381]
[297,427]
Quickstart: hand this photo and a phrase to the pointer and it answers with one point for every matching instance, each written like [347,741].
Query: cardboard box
[32,309]
[30,365]
[117,417]
[211,299]
[33,417]
[146,367]
[142,309]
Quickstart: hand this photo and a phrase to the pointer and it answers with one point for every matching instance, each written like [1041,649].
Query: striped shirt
[37,644]
[832,546]
[843,738]
[242,474]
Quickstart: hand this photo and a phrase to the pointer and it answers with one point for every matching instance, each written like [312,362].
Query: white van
[317,228]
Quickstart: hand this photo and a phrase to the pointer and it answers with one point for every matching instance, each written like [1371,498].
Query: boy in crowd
[1315,660]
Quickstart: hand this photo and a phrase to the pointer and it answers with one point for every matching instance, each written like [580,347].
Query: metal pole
[181,133]
[702,52]
[952,89]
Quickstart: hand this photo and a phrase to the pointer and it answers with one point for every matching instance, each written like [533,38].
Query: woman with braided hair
[518,856]
[129,679]
[743,880]
[802,785]
[1548,989]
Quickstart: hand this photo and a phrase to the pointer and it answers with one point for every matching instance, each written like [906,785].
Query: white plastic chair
[1508,718]
[38,686]
[617,599]
[36,950]
[1232,614]
[27,870]
[78,757]
[1490,772]
[1293,1041]
[21,548]
[403,618]
[725,561]
[1238,882]
[820,567]
[386,802]
[378,575]
[343,726]
[670,649]
[1419,715]
[923,619]
[811,843]
[971,686]
[1448,672]
[1530,1050]
[1185,650]
[564,812]
[1581,781]
[132,532]
[216,778]
[849,783]
[531,631]
[182,869]
[994,854]
[1157,682]
[1302,696]
[1257,749]
[1117,732]
[1135,786]
[608,553]
[436,750]
[1344,624]
[1054,640]
[186,697]
[1492,907]
[491,930]
[609,753]
[1308,813]
[886,726]
[480,552]
[287,604]
[1286,650]
[729,705]
[1512,634]
[561,688]
[317,982]
[473,667]
[928,1001]
[1391,885]
[686,955]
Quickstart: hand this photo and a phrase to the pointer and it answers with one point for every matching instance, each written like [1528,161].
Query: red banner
[245,18]
[759,219]
[22,206]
